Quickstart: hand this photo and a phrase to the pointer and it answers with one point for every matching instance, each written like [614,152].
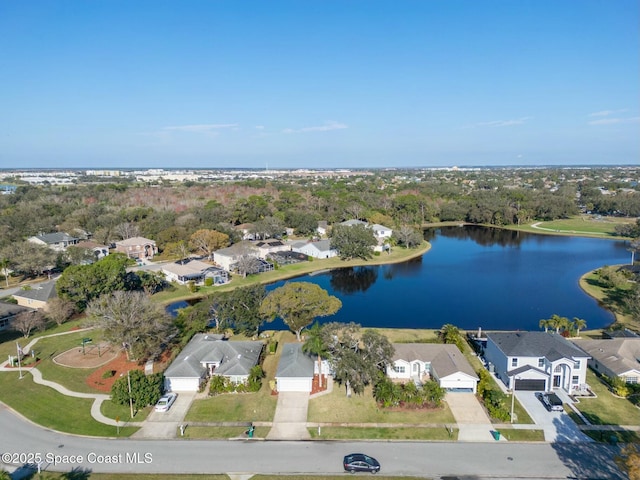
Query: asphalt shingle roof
[294,362]
[535,344]
[446,359]
[236,358]
[42,291]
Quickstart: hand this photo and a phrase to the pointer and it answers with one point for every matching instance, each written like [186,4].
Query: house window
[541,362]
[398,368]
[4,322]
[631,379]
[576,365]
[514,362]
[558,369]
[574,380]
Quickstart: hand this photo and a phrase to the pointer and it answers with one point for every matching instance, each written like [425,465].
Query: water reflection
[353,280]
[487,237]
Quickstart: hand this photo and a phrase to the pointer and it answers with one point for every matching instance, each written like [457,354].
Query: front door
[556,381]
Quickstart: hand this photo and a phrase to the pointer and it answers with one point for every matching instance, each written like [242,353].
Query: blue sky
[311,83]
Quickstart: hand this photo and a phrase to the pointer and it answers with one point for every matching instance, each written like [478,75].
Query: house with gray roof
[295,370]
[206,355]
[191,270]
[58,241]
[8,312]
[536,361]
[444,363]
[615,357]
[318,249]
[37,295]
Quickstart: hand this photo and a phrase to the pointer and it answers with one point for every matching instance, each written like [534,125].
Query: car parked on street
[165,402]
[359,462]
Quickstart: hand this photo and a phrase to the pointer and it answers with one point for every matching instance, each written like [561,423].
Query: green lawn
[518,435]
[50,409]
[581,225]
[336,407]
[607,409]
[384,433]
[123,412]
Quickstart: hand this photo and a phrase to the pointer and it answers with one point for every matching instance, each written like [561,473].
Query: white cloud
[606,113]
[259,127]
[330,125]
[614,120]
[503,123]
[206,128]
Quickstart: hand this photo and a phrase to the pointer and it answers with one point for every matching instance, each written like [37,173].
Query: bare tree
[207,241]
[27,322]
[247,261]
[59,310]
[131,320]
[127,230]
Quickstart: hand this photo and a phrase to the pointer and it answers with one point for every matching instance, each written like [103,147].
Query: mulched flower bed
[120,366]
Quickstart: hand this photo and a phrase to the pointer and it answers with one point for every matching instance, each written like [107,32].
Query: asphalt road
[23,442]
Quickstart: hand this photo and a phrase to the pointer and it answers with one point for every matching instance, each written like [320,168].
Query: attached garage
[459,382]
[530,384]
[295,370]
[182,384]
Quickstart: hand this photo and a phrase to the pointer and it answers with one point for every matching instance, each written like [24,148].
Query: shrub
[109,374]
[217,385]
[208,282]
[193,288]
[273,346]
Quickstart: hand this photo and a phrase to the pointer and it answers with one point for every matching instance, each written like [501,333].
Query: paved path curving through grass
[98,398]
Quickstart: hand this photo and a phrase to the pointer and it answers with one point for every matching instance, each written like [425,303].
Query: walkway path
[538,227]
[37,378]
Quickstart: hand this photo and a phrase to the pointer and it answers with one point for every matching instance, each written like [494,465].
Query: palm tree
[545,323]
[579,323]
[315,345]
[558,322]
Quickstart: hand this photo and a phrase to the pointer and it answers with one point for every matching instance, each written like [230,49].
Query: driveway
[290,419]
[473,422]
[166,424]
[557,426]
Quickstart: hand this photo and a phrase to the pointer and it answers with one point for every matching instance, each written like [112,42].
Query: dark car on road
[359,462]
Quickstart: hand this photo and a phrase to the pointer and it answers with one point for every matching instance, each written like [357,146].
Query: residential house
[100,251]
[229,256]
[8,312]
[616,357]
[536,361]
[206,355]
[322,228]
[137,247]
[58,241]
[246,231]
[266,247]
[37,295]
[318,249]
[444,363]
[381,233]
[295,370]
[191,270]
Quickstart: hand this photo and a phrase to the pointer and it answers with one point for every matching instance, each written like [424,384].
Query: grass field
[46,407]
[588,225]
[607,409]
[385,433]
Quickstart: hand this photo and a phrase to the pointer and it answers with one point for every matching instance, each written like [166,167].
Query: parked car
[165,402]
[551,401]
[359,462]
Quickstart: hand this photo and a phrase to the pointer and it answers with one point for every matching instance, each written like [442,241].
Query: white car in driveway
[165,402]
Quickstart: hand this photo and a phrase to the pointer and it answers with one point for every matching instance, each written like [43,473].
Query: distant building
[36,296]
[58,241]
[137,247]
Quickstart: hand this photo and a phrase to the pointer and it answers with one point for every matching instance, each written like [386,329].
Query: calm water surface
[475,277]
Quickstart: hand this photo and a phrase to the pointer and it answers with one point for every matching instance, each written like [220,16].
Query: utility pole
[130,397]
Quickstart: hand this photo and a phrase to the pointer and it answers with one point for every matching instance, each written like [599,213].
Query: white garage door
[458,385]
[294,384]
[181,384]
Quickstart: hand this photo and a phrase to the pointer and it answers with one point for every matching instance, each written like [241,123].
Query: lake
[475,277]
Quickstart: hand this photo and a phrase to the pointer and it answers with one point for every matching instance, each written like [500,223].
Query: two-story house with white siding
[536,361]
